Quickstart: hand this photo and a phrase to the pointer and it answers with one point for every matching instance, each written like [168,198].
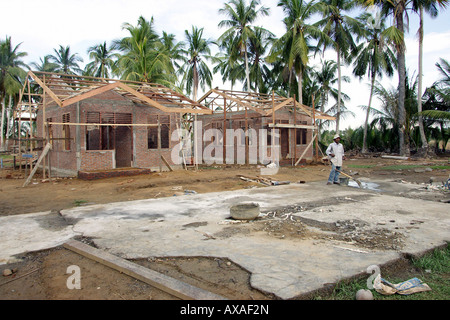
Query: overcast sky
[42,25]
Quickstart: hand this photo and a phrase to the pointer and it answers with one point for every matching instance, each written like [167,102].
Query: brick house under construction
[99,124]
[251,119]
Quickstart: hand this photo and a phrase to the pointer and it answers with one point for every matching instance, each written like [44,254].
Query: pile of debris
[263,180]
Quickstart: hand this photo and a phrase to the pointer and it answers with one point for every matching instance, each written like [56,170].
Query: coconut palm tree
[257,49]
[437,105]
[174,49]
[44,65]
[397,8]
[241,16]
[430,7]
[66,61]
[437,97]
[340,28]
[374,57]
[103,60]
[293,47]
[228,65]
[144,58]
[389,116]
[196,70]
[11,77]
[326,78]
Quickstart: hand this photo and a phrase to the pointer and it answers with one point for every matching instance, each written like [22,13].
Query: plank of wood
[170,285]
[47,148]
[304,152]
[166,163]
[90,94]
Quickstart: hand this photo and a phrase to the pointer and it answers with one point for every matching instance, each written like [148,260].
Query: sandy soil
[43,275]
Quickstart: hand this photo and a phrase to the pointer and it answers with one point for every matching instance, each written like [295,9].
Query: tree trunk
[403,139]
[338,111]
[300,86]
[419,94]
[247,72]
[8,120]
[195,81]
[2,101]
[364,149]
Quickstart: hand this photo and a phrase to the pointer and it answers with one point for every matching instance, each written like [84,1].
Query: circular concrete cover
[245,211]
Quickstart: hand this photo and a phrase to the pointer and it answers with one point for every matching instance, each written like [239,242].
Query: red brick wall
[90,160]
[257,122]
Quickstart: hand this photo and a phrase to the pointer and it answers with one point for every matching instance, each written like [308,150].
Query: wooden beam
[166,163]
[46,89]
[170,285]
[143,97]
[90,94]
[105,124]
[304,152]
[47,148]
[279,106]
[159,106]
[291,126]
[237,101]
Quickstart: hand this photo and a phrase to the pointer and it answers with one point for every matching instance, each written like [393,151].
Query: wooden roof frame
[66,90]
[265,104]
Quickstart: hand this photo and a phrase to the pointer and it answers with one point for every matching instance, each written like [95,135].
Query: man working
[335,153]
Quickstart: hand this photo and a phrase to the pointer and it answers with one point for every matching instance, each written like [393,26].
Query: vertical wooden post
[295,130]
[316,131]
[159,145]
[44,124]
[195,142]
[247,160]
[273,107]
[19,129]
[224,130]
[31,127]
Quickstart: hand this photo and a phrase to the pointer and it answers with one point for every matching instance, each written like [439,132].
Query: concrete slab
[345,223]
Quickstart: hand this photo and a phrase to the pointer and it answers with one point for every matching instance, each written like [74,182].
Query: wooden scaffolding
[42,89]
[266,105]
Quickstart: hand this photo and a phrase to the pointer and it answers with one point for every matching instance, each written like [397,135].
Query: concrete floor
[199,225]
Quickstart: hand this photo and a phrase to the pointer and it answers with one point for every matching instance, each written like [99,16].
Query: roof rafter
[66,90]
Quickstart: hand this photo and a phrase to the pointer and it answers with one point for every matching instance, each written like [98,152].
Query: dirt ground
[43,275]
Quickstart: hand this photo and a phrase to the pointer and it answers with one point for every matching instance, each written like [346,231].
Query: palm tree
[437,105]
[431,7]
[389,117]
[397,8]
[45,65]
[103,60]
[174,49]
[240,17]
[66,61]
[144,58]
[11,77]
[196,71]
[374,57]
[326,78]
[293,47]
[227,64]
[437,97]
[339,27]
[259,70]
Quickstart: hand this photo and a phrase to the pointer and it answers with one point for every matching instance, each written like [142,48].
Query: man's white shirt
[338,150]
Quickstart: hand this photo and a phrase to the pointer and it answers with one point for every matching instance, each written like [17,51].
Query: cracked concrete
[337,220]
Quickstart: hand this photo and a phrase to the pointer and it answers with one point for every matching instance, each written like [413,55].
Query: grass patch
[362,166]
[78,203]
[433,269]
[406,167]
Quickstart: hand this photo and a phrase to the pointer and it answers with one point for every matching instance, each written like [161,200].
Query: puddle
[364,185]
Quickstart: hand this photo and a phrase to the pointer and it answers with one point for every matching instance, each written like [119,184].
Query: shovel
[356,180]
